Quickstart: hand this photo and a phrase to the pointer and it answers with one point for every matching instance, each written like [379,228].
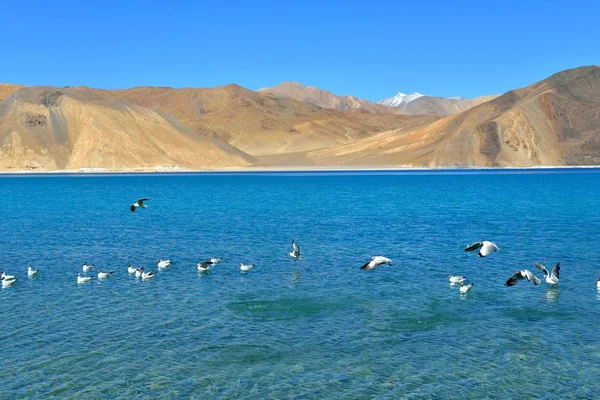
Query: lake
[315,329]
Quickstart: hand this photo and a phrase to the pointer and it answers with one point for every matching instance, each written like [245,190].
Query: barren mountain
[258,123]
[47,128]
[6,89]
[553,122]
[325,98]
[442,105]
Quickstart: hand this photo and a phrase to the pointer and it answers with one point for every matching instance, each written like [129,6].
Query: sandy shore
[154,170]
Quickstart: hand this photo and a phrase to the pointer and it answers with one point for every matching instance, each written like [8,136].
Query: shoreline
[294,170]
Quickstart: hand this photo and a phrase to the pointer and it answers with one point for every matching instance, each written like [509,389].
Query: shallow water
[321,328]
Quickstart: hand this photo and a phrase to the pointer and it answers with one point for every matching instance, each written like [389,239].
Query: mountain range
[549,123]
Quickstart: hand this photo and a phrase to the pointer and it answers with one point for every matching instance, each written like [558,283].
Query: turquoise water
[316,329]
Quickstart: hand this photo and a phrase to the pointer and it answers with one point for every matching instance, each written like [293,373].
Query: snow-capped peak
[400,99]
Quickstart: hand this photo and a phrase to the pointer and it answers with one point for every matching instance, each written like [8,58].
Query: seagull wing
[132,207]
[295,246]
[514,279]
[542,268]
[474,246]
[556,271]
[367,266]
[141,201]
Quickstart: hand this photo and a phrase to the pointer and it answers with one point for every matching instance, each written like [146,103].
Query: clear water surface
[316,329]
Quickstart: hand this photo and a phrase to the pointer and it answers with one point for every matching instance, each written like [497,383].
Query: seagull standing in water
[551,278]
[464,289]
[204,266]
[83,279]
[485,248]
[598,283]
[295,254]
[147,275]
[32,272]
[8,282]
[246,267]
[3,276]
[87,267]
[131,269]
[215,260]
[102,275]
[456,279]
[161,264]
[522,274]
[138,204]
[376,262]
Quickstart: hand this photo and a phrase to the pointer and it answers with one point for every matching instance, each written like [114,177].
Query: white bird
[522,274]
[8,282]
[551,278]
[246,267]
[204,266]
[83,279]
[215,260]
[87,267]
[598,283]
[295,254]
[464,289]
[376,262]
[32,272]
[102,275]
[147,275]
[139,272]
[485,248]
[456,278]
[7,277]
[163,263]
[138,204]
[131,269]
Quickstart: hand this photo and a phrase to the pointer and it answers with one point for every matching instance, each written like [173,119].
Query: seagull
[522,274]
[32,272]
[163,263]
[138,204]
[246,267]
[464,289]
[598,283]
[139,272]
[551,278]
[3,276]
[376,262]
[204,266]
[83,279]
[87,267]
[456,279]
[102,275]
[485,248]
[295,254]
[147,275]
[131,269]
[8,282]
[215,260]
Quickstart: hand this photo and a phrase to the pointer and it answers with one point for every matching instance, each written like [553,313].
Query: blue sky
[367,49]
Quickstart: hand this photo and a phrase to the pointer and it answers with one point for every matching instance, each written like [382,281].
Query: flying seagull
[485,248]
[464,289]
[295,254]
[376,262]
[32,272]
[551,278]
[138,204]
[522,274]
[456,278]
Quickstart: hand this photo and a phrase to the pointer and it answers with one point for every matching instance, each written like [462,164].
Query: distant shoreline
[297,170]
